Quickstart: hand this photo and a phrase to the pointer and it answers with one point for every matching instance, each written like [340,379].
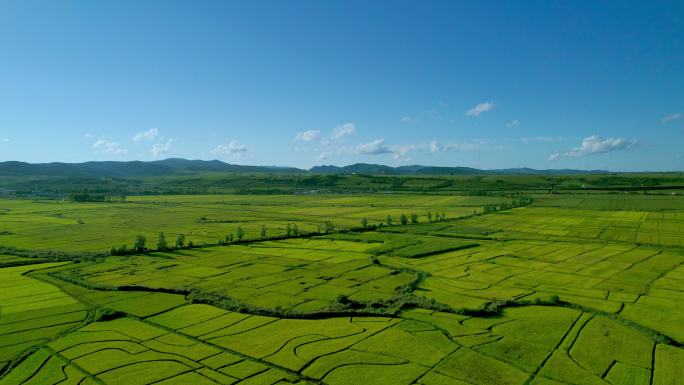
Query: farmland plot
[81,227]
[205,345]
[529,296]
[32,312]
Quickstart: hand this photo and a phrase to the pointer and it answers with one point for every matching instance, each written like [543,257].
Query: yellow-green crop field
[571,289]
[78,227]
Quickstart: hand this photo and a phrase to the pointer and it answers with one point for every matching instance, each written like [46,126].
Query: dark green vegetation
[486,287]
[177,166]
[113,181]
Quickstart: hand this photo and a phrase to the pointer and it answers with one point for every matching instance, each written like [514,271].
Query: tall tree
[161,242]
[139,244]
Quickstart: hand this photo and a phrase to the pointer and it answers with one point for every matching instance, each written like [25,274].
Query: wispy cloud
[672,118]
[105,146]
[402,152]
[88,135]
[5,140]
[480,109]
[376,147]
[159,149]
[233,148]
[409,120]
[150,134]
[436,112]
[347,129]
[323,155]
[307,136]
[436,146]
[513,123]
[593,145]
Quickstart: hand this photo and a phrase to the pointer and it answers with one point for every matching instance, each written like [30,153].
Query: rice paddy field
[92,227]
[570,289]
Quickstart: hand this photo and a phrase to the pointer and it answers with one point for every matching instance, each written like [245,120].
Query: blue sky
[562,84]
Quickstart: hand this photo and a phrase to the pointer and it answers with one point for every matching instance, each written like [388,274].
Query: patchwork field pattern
[299,274]
[659,228]
[32,312]
[200,344]
[555,293]
[78,227]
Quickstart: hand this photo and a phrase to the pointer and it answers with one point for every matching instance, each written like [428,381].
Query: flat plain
[566,289]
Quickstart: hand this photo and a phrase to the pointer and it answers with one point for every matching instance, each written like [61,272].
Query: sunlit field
[565,290]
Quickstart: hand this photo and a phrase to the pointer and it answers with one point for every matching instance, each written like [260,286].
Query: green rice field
[570,289]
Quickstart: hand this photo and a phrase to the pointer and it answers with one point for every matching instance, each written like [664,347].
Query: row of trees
[412,218]
[140,242]
[291,230]
[140,245]
[518,201]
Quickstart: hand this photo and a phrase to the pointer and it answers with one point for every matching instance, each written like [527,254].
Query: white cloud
[376,147]
[672,118]
[435,146]
[88,135]
[233,148]
[409,120]
[104,146]
[323,155]
[593,145]
[5,140]
[347,129]
[513,123]
[161,148]
[480,109]
[402,152]
[307,136]
[150,134]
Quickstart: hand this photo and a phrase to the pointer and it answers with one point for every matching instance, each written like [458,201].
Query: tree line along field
[96,227]
[359,181]
[570,289]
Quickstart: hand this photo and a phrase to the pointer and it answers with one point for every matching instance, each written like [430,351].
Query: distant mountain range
[379,169]
[177,166]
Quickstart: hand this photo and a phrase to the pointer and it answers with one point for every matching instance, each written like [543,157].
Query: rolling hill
[178,166]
